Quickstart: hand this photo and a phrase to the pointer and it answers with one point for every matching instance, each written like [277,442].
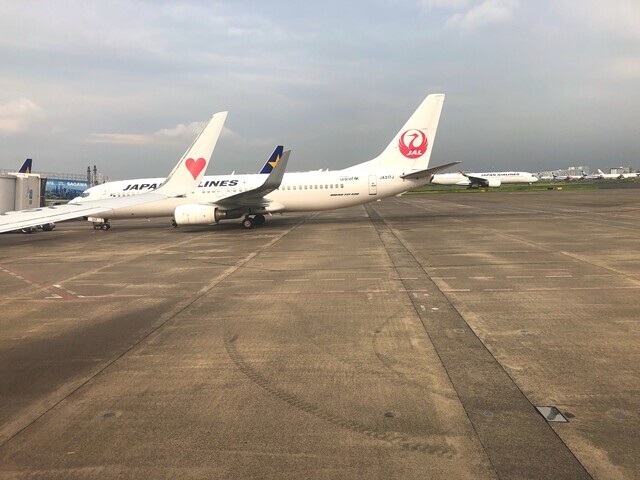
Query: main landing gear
[255,221]
[102,226]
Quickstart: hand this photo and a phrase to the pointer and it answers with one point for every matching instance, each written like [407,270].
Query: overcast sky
[126,85]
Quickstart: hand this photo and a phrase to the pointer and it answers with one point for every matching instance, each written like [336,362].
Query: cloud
[430,4]
[181,134]
[120,138]
[486,13]
[182,130]
[473,14]
[626,68]
[620,17]
[18,115]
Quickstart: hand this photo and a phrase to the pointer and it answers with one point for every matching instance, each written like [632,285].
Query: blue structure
[62,188]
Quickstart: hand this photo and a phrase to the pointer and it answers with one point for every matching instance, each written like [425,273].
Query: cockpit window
[85,194]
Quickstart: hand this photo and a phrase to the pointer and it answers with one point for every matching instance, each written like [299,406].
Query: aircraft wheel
[248,222]
[259,219]
[105,226]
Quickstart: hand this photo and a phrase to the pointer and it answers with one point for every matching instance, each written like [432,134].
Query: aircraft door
[373,185]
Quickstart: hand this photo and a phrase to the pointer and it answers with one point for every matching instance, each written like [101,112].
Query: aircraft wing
[479,181]
[255,197]
[183,179]
[429,171]
[38,216]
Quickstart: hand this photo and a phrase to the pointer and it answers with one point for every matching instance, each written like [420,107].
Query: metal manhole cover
[552,414]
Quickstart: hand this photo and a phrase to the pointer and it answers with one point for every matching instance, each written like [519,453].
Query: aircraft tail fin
[26,166]
[186,175]
[273,160]
[410,150]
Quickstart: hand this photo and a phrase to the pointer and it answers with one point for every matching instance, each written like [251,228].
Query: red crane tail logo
[413,143]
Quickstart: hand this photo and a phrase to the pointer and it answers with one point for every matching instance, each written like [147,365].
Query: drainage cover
[552,414]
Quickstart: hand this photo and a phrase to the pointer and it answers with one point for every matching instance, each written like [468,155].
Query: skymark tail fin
[186,175]
[26,166]
[273,160]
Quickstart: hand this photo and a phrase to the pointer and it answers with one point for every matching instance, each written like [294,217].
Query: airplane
[122,188]
[183,179]
[619,176]
[569,178]
[26,166]
[403,165]
[483,179]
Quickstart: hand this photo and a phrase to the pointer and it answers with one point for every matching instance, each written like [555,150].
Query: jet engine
[198,214]
[195,214]
[494,182]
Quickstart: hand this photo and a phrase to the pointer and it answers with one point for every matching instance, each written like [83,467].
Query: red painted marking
[195,166]
[413,143]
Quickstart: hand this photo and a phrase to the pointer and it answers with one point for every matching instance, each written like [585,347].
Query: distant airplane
[568,178]
[403,165]
[611,176]
[26,166]
[483,179]
[183,179]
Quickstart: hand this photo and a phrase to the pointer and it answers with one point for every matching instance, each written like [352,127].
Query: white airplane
[483,179]
[127,188]
[183,179]
[403,165]
[611,176]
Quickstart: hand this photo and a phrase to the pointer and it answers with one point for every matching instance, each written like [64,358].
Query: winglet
[274,179]
[273,160]
[186,175]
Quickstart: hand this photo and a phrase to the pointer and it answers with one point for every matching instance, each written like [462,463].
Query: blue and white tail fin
[188,172]
[26,166]
[273,160]
[410,150]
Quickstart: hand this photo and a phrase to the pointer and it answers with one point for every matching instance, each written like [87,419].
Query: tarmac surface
[411,338]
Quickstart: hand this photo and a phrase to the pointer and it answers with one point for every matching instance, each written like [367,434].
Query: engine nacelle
[494,182]
[195,214]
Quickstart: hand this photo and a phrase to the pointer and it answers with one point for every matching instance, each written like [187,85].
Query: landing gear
[248,222]
[102,226]
[253,221]
[174,224]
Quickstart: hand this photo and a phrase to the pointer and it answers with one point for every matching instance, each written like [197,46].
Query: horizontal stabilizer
[429,171]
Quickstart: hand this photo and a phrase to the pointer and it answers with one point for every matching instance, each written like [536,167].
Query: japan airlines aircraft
[183,179]
[484,179]
[126,188]
[403,165]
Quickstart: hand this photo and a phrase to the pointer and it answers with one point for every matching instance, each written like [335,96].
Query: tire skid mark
[394,438]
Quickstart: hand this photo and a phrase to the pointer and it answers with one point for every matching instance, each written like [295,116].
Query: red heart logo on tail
[195,166]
